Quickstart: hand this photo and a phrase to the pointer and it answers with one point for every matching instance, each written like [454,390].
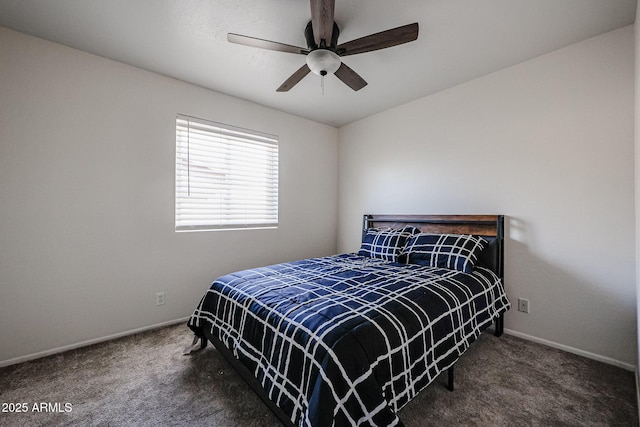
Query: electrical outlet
[523,305]
[160,298]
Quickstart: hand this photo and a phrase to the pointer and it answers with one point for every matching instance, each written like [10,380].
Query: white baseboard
[80,344]
[588,355]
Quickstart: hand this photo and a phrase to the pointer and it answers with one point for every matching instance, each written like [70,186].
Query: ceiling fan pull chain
[322,83]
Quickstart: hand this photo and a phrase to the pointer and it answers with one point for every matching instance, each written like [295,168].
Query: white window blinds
[226,177]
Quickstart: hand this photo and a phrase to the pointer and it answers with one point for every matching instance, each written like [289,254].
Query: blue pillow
[385,244]
[452,251]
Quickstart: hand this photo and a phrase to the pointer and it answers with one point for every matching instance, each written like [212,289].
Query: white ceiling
[459,40]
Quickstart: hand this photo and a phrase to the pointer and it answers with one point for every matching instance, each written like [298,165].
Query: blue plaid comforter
[348,340]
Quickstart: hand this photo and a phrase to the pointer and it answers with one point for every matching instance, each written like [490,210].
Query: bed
[350,339]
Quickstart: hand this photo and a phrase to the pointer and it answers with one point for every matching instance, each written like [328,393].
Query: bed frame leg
[499,326]
[450,373]
[195,345]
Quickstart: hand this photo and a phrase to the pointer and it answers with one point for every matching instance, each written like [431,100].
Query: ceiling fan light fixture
[323,61]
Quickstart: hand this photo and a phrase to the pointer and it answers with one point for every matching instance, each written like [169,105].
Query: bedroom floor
[145,380]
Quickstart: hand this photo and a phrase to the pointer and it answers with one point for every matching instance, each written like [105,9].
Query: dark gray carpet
[145,380]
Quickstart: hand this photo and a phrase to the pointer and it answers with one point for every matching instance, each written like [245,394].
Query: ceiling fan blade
[350,77]
[265,44]
[381,40]
[294,79]
[322,12]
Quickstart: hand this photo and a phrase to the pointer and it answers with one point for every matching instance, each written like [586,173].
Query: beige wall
[87,158]
[548,143]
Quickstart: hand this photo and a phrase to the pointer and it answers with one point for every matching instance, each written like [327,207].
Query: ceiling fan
[323,51]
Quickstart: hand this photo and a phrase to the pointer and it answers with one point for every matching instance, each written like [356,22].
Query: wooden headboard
[490,227]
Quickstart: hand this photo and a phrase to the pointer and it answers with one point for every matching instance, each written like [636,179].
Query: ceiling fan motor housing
[311,42]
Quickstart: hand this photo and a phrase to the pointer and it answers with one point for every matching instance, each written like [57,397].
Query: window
[226,177]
